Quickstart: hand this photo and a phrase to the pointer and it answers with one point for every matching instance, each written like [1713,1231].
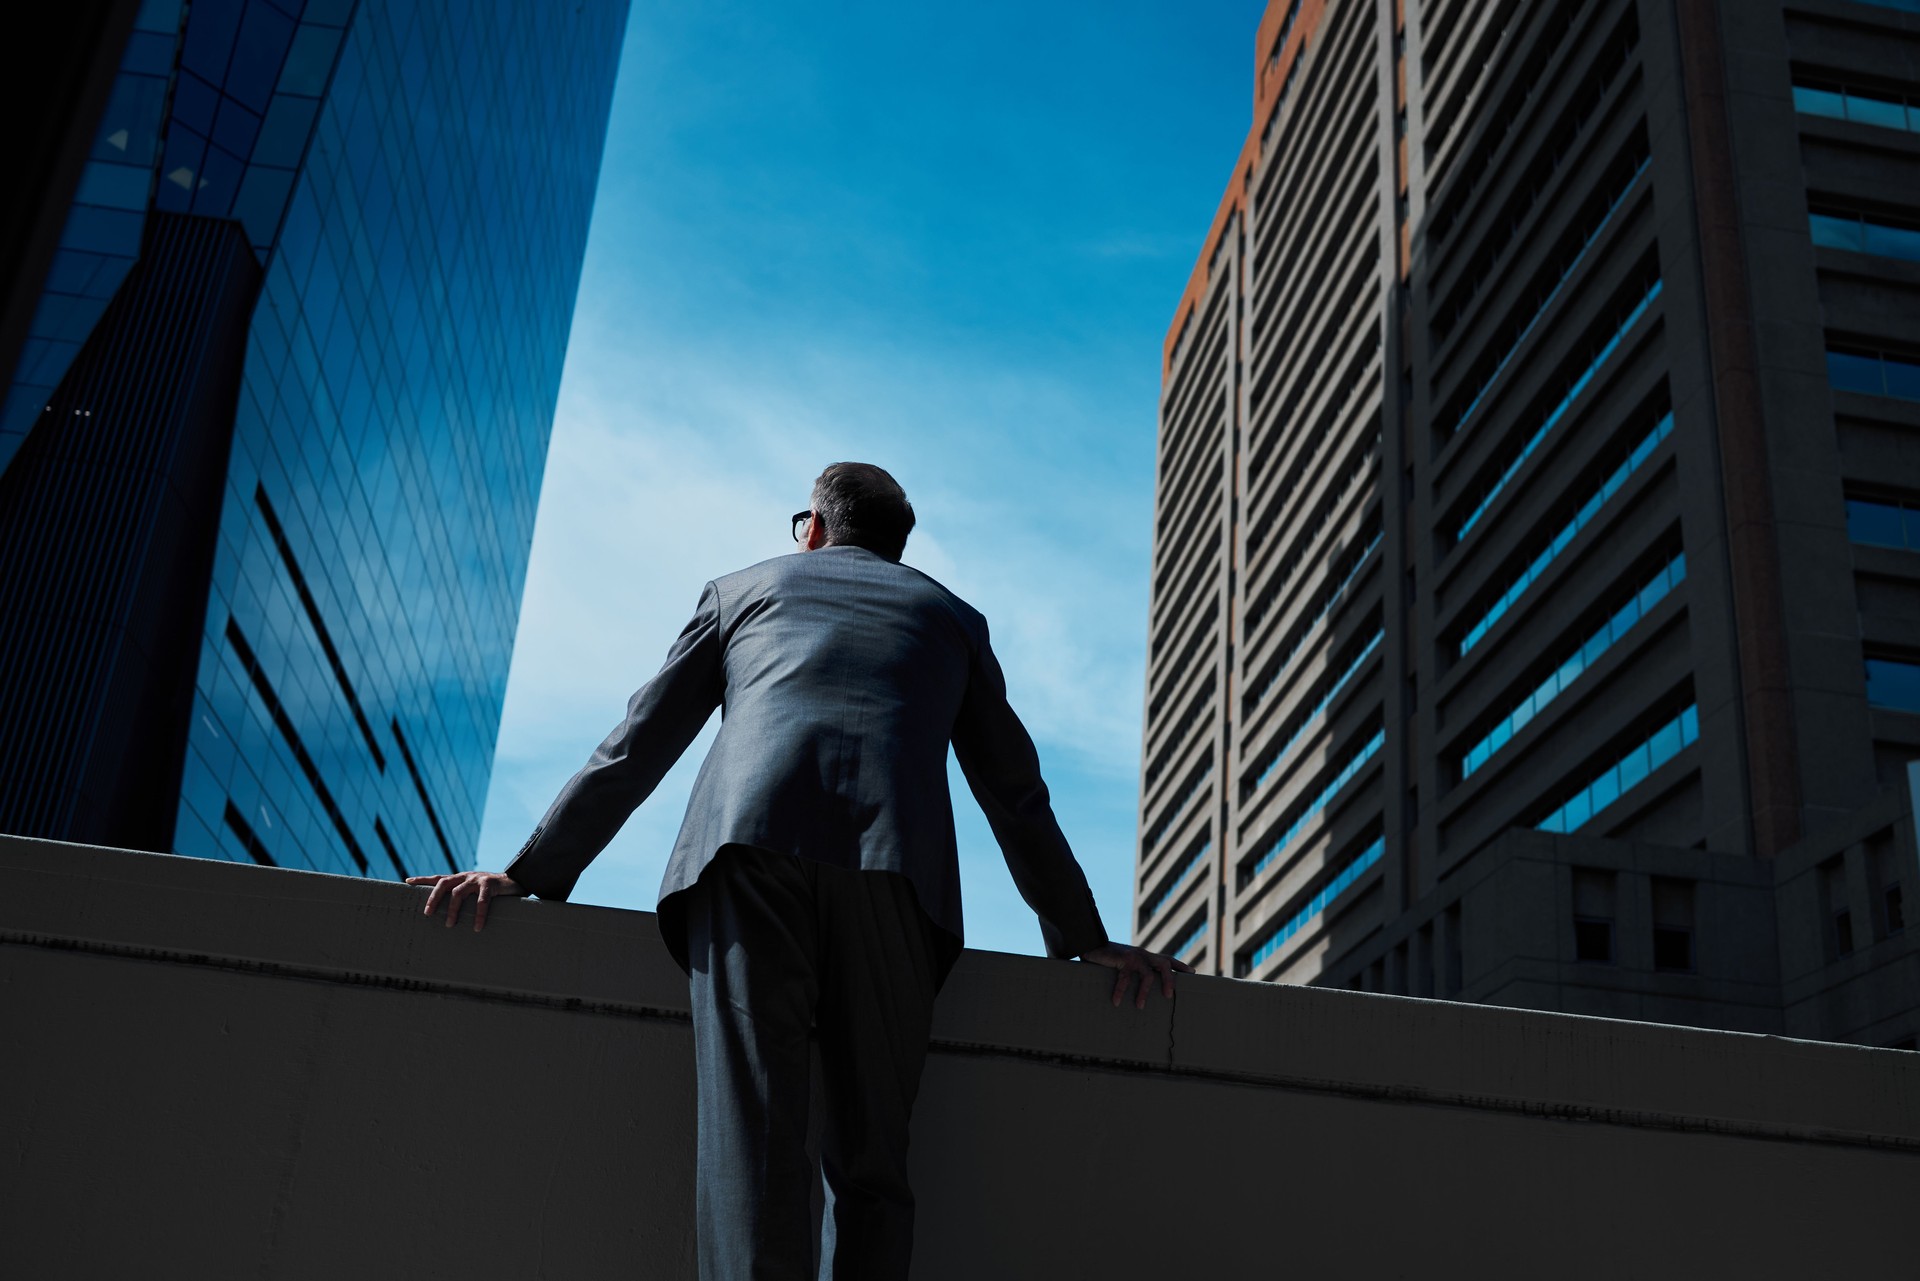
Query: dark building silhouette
[1536,588]
[283,333]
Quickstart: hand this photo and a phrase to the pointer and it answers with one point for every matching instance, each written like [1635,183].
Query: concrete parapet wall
[222,1071]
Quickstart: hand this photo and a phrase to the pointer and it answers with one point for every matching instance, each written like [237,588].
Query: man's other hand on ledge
[482,887]
[1137,962]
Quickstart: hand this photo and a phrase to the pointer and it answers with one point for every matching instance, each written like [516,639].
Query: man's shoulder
[854,566]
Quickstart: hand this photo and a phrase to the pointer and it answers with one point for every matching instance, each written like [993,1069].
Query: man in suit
[815,882]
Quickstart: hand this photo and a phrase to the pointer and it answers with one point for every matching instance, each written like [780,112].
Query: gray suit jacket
[841,677]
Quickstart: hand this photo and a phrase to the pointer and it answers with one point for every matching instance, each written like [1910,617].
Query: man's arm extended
[662,718]
[1003,770]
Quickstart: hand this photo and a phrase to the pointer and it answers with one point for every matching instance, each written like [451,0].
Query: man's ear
[816,534]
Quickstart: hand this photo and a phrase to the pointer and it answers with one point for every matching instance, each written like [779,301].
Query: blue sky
[948,241]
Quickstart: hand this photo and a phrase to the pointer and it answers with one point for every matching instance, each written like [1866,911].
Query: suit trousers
[779,945]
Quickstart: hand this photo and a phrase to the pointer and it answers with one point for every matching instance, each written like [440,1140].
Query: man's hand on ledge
[453,890]
[1137,962]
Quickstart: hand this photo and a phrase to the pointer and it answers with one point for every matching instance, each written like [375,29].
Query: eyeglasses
[800,520]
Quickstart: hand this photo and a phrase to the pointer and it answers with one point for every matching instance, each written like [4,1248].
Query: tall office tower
[1535,610]
[292,320]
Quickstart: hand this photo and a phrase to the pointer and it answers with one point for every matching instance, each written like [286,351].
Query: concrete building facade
[1535,614]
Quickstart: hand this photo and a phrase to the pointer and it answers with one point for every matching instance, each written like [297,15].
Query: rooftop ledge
[224,1069]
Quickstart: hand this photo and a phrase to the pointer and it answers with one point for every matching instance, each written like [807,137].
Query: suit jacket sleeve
[662,718]
[1003,771]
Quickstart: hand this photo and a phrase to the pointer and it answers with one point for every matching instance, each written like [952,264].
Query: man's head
[860,505]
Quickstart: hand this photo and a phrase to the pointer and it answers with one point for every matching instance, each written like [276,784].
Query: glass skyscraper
[273,443]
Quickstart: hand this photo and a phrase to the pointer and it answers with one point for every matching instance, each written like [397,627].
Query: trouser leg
[881,967]
[751,941]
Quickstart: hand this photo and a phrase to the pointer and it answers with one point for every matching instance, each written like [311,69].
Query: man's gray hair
[862,506]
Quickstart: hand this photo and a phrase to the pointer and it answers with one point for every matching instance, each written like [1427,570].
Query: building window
[1575,664]
[1833,901]
[1305,816]
[1672,924]
[1593,915]
[1455,969]
[1893,684]
[1564,537]
[1837,102]
[1575,384]
[1888,523]
[1296,642]
[1888,865]
[1177,807]
[1193,861]
[1189,945]
[1626,773]
[1856,233]
[1512,336]
[1873,373]
[1333,889]
[1306,720]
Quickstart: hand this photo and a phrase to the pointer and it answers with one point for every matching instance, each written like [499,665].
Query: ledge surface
[283,1072]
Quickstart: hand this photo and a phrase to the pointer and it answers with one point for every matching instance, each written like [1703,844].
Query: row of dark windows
[1329,132]
[1200,571]
[1444,109]
[1301,816]
[1625,772]
[1193,375]
[1596,920]
[1165,679]
[1344,571]
[1613,628]
[1874,373]
[1554,405]
[1202,442]
[1168,678]
[1335,414]
[1885,869]
[1876,234]
[1206,505]
[1881,108]
[1280,37]
[1430,964]
[1893,683]
[1340,675]
[1541,557]
[1187,481]
[1203,845]
[1321,189]
[1361,463]
[312,608]
[1612,59]
[1306,533]
[1176,806]
[1177,736]
[1305,362]
[1560,265]
[1318,900]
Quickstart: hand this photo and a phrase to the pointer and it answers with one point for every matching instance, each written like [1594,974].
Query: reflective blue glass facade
[407,185]
[101,239]
[392,425]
